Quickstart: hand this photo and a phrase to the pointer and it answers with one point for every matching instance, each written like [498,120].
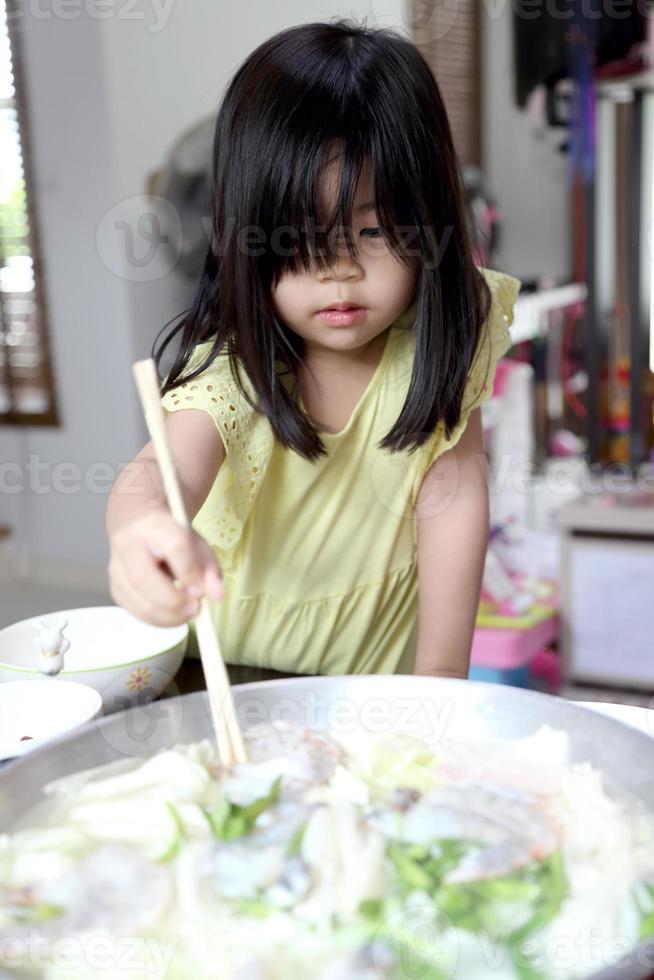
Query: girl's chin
[356,347]
[343,338]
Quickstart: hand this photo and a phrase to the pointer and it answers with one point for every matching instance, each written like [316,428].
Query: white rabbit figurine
[51,645]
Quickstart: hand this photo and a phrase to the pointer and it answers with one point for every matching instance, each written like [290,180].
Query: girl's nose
[342,268]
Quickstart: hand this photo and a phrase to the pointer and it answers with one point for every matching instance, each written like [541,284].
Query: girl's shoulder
[247,437]
[504,293]
[245,431]
[211,387]
[495,337]
[500,282]
[494,342]
[232,405]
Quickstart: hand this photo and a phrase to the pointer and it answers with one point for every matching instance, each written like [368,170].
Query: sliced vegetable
[254,907]
[644,895]
[172,848]
[419,867]
[228,821]
[295,843]
[389,764]
[411,872]
[37,913]
[518,904]
[413,959]
[372,908]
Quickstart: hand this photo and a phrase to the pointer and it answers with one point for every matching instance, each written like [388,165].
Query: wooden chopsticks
[228,734]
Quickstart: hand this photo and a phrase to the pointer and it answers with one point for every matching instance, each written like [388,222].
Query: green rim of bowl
[95,670]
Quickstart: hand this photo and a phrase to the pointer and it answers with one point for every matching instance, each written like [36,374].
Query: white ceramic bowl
[124,659]
[32,712]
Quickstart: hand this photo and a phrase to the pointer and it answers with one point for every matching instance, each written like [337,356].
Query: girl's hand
[148,556]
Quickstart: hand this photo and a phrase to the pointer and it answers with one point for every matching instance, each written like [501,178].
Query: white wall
[527,174]
[74,172]
[108,97]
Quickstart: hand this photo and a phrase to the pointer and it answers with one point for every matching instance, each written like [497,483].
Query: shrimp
[509,827]
[315,754]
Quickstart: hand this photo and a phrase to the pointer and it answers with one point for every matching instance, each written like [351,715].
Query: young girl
[323,405]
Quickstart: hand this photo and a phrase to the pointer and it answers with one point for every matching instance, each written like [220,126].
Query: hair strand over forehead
[305,96]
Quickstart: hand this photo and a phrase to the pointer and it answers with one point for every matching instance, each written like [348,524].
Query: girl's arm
[157,568]
[452,512]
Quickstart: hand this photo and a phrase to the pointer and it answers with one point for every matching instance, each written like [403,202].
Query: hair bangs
[364,100]
[312,233]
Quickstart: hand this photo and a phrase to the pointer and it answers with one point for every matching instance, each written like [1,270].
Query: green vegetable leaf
[413,961]
[420,867]
[647,910]
[38,913]
[509,909]
[295,843]
[647,926]
[522,902]
[179,834]
[526,971]
[254,907]
[410,871]
[229,821]
[372,909]
[552,882]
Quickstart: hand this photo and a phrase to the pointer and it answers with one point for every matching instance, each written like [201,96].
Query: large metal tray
[432,707]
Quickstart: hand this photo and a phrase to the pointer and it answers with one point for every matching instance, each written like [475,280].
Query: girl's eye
[372,232]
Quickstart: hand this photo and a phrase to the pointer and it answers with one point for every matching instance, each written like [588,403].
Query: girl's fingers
[167,566]
[125,595]
[181,557]
[213,584]
[153,583]
[212,578]
[193,564]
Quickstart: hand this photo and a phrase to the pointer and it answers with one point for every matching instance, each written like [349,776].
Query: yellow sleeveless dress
[320,558]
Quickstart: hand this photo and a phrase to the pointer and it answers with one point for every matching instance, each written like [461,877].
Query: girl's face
[379,283]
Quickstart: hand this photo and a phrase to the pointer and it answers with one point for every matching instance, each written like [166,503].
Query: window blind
[27,395]
[448,34]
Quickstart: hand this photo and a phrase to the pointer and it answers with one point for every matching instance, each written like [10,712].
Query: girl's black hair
[370,90]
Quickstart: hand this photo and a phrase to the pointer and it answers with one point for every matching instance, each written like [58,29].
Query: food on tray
[331,856]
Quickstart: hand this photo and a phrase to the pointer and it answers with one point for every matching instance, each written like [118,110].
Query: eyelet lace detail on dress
[248,439]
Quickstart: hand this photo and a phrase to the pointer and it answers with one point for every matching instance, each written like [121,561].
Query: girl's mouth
[337,318]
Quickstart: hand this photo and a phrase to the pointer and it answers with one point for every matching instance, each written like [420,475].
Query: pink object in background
[546,666]
[517,656]
[503,369]
[565,444]
[506,649]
